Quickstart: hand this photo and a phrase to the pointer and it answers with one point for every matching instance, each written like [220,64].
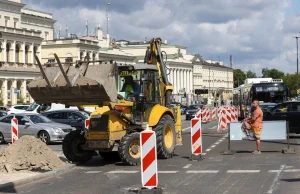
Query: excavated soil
[28,154]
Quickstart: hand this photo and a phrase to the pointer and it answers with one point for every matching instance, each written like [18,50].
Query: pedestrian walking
[256,124]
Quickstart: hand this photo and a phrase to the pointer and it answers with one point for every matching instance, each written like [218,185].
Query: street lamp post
[297,62]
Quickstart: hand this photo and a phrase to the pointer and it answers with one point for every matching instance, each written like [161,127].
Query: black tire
[110,156]
[44,137]
[124,149]
[71,149]
[163,152]
[2,140]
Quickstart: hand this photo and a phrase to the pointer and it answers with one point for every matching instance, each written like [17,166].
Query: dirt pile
[29,154]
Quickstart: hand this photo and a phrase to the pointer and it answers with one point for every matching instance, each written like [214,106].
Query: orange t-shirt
[257,117]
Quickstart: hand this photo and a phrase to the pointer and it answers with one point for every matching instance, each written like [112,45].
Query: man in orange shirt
[256,124]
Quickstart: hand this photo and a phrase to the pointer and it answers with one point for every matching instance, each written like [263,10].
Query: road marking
[276,179]
[203,154]
[213,146]
[243,171]
[275,171]
[217,143]
[186,129]
[187,166]
[213,127]
[123,172]
[292,170]
[92,172]
[167,172]
[201,171]
[207,150]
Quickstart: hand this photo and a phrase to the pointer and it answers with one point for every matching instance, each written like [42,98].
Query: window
[74,116]
[22,120]
[6,119]
[294,107]
[57,115]
[21,107]
[15,24]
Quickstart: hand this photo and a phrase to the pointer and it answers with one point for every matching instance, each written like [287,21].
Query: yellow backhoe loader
[129,97]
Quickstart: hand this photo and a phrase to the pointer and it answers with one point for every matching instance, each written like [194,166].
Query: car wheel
[2,140]
[44,137]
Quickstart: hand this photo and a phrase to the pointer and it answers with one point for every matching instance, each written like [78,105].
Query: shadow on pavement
[291,180]
[10,188]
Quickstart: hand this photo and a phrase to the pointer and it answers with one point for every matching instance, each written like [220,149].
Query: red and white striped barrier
[222,125]
[232,114]
[213,114]
[228,115]
[87,123]
[208,114]
[148,158]
[198,113]
[196,138]
[14,130]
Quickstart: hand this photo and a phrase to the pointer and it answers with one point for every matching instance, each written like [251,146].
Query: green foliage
[238,77]
[251,74]
[291,82]
[272,73]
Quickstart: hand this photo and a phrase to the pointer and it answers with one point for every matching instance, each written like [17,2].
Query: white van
[39,108]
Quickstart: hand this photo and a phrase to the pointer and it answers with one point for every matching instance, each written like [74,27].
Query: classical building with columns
[22,32]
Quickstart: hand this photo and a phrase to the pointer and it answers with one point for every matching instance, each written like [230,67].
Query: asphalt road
[270,172]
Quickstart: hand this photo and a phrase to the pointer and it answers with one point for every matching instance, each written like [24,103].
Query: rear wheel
[165,137]
[71,148]
[129,149]
[2,140]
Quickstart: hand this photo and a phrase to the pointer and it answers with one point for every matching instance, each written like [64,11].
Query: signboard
[129,73]
[269,88]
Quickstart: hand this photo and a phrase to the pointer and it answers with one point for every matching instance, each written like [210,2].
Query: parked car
[75,118]
[289,111]
[182,107]
[36,125]
[191,111]
[4,108]
[266,106]
[2,113]
[17,109]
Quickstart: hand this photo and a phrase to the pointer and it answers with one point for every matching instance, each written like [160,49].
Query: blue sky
[258,33]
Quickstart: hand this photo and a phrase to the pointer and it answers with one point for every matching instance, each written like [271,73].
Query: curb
[42,176]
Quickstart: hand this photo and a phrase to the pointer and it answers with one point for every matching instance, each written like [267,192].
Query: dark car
[182,107]
[289,111]
[75,118]
[191,111]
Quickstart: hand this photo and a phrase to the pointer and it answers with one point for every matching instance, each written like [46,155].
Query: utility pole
[297,63]
[87,28]
[107,16]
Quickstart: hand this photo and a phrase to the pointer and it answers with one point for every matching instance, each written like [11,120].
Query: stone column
[78,54]
[4,92]
[188,81]
[181,79]
[24,53]
[177,81]
[191,81]
[32,54]
[23,91]
[4,52]
[174,81]
[184,79]
[14,52]
[171,77]
[40,52]
[12,92]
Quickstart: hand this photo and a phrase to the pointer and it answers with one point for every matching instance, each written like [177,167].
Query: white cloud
[257,33]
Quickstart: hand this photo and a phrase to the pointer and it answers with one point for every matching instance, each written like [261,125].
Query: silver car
[35,125]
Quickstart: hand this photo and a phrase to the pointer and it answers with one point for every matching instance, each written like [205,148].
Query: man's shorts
[257,131]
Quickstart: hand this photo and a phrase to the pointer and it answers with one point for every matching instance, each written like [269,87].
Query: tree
[291,82]
[251,74]
[238,77]
[272,73]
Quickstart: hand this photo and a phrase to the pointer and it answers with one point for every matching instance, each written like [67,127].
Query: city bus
[265,90]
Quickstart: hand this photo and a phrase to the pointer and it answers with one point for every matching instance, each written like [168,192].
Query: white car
[17,109]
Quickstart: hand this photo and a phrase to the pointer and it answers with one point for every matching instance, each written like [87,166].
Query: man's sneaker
[246,138]
[256,152]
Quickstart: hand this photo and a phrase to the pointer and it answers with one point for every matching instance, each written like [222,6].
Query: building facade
[22,32]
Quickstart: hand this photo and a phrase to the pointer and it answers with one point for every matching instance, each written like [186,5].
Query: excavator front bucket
[74,85]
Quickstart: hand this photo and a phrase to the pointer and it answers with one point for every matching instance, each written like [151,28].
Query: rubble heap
[28,154]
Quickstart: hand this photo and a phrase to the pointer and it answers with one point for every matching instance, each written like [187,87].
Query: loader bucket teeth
[75,84]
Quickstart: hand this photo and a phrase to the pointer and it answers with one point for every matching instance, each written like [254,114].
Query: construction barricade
[14,130]
[196,137]
[272,130]
[149,172]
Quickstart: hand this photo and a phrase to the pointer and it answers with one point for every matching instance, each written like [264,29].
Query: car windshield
[194,106]
[32,107]
[39,119]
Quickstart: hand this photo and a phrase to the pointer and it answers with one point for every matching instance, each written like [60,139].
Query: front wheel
[129,149]
[165,137]
[44,137]
[71,148]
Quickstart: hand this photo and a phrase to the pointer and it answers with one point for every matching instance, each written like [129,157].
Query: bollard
[213,114]
[149,162]
[222,121]
[196,139]
[228,151]
[14,130]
